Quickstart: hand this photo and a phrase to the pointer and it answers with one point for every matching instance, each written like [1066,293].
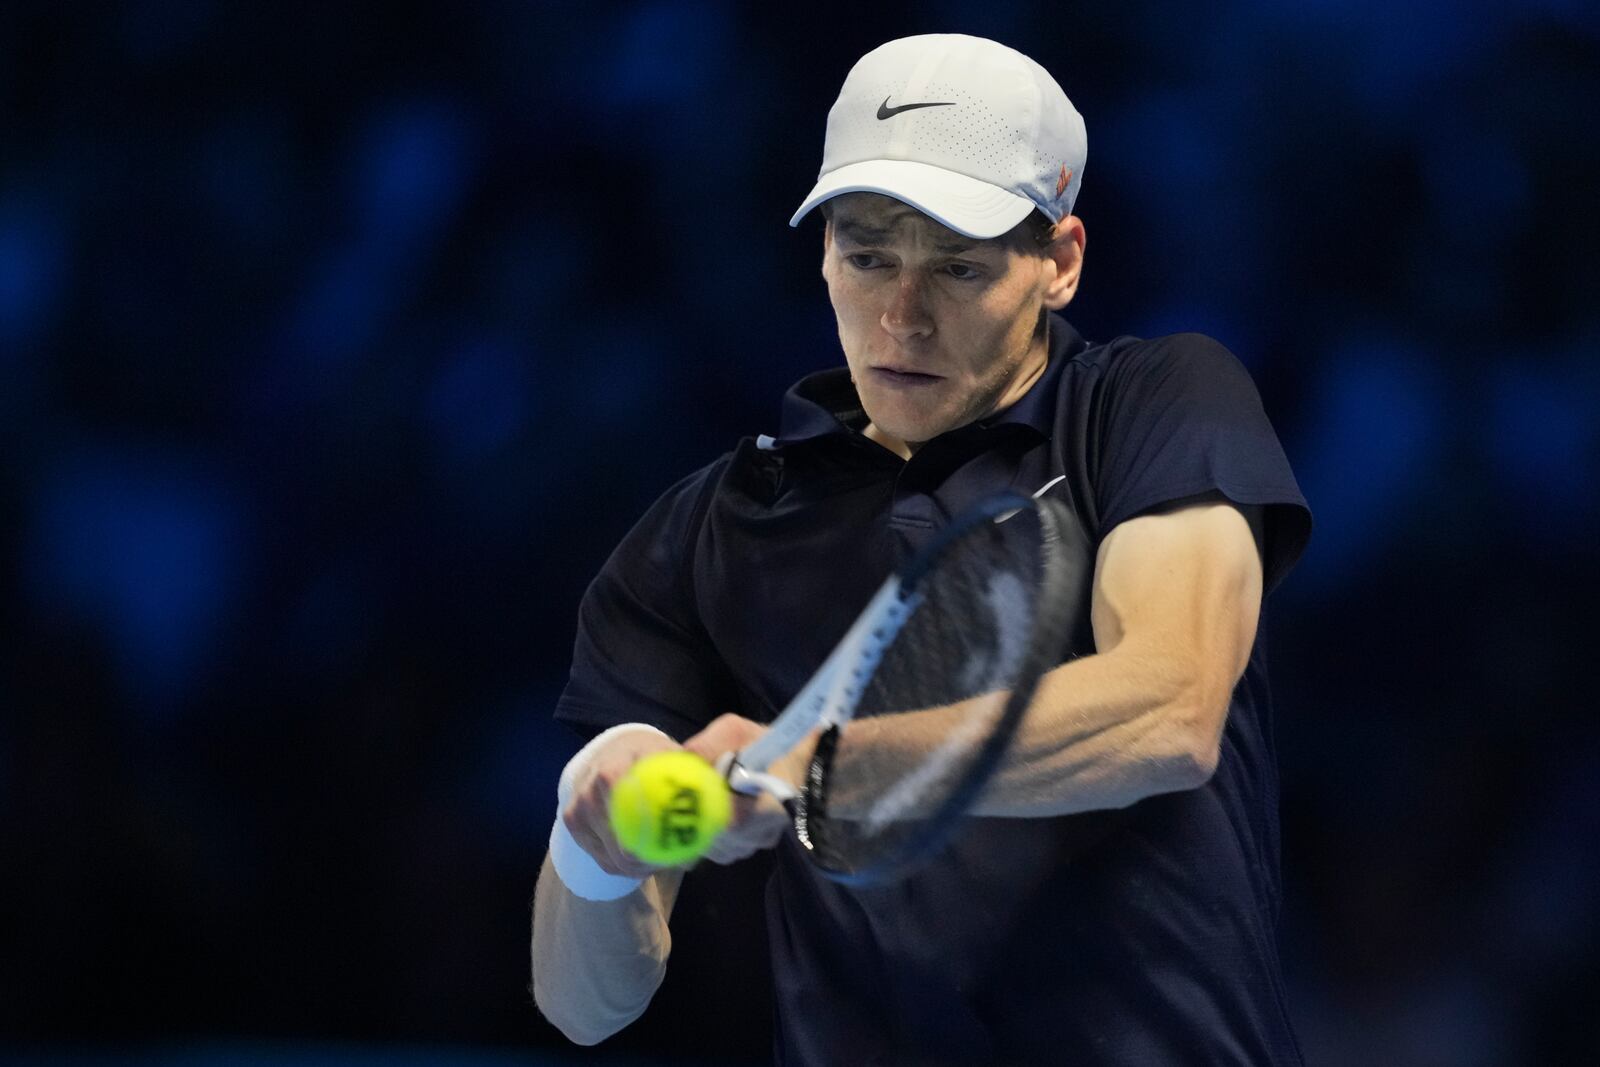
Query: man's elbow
[587,1006]
[1198,765]
[579,1033]
[1195,741]
[576,1026]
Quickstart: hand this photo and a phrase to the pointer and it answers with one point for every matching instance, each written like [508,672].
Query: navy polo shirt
[1144,935]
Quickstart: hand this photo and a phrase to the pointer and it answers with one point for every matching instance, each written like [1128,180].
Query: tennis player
[1117,904]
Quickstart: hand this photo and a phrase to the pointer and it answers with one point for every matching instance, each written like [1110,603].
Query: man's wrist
[578,870]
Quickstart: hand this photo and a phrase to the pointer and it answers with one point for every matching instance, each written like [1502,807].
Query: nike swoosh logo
[887,112]
[1047,486]
[1037,493]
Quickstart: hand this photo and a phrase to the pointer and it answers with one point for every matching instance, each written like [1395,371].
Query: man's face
[938,329]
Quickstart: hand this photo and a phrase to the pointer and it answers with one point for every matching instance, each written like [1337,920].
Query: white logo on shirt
[1037,493]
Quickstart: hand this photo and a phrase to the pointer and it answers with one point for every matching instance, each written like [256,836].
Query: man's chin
[910,431]
[905,421]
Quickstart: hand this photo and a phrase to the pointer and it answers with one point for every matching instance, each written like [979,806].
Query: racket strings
[938,692]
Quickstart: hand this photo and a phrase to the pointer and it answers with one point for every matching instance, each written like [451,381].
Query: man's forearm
[1103,731]
[1106,731]
[596,964]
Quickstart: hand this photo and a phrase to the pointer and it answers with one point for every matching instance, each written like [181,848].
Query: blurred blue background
[339,344]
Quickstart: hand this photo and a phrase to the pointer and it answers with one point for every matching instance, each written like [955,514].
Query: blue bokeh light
[1367,451]
[1543,440]
[148,547]
[479,400]
[33,271]
[414,165]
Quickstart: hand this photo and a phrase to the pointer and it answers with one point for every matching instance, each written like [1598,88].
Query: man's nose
[907,314]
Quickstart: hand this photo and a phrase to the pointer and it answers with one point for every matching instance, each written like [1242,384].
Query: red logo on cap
[1061,182]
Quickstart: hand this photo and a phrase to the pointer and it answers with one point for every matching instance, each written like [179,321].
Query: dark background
[338,345]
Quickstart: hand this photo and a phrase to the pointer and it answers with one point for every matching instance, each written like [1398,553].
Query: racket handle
[669,808]
[742,779]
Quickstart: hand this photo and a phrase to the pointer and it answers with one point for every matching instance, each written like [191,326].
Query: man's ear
[1066,249]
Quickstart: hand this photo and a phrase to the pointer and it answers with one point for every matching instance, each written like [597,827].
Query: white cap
[963,129]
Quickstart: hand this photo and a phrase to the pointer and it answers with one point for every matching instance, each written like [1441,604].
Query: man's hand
[588,816]
[759,821]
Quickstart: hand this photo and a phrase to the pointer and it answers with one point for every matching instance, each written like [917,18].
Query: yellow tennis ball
[669,807]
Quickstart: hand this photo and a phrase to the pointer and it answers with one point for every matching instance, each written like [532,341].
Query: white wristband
[577,869]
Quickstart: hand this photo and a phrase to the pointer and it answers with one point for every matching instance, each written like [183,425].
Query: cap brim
[968,206]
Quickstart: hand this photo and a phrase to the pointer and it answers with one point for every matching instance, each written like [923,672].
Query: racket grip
[669,808]
[742,779]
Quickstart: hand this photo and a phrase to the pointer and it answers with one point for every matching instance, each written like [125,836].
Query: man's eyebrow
[862,233]
[867,234]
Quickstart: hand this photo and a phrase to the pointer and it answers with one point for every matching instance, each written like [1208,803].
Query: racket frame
[830,697]
[828,700]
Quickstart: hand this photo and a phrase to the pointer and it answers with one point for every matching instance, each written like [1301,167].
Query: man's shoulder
[749,469]
[1131,368]
[678,512]
[691,488]
[1127,351]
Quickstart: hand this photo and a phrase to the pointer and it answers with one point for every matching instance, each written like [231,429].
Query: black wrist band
[812,808]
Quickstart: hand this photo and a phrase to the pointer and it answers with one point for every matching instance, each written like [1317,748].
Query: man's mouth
[903,378]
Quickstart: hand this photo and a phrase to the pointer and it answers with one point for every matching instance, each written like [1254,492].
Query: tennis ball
[669,807]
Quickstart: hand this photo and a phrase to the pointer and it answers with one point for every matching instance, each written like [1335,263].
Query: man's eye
[962,272]
[862,260]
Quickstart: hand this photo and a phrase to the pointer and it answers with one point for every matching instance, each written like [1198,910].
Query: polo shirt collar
[825,404]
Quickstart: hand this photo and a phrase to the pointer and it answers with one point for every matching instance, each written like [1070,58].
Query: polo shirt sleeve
[642,654]
[1181,417]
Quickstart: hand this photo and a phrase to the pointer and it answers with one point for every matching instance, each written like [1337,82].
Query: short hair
[1040,230]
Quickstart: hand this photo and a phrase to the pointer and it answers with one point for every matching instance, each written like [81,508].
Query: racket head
[996,593]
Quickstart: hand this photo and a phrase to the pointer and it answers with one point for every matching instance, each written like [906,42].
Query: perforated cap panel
[967,106]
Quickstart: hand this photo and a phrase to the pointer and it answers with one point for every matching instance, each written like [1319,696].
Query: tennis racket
[917,703]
